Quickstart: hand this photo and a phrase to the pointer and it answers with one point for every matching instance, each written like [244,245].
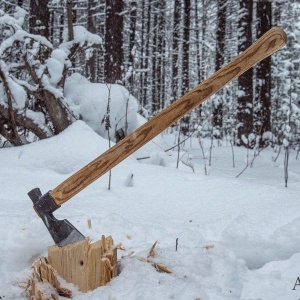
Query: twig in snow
[251,163]
[106,121]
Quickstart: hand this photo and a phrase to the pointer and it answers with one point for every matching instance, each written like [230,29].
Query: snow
[238,238]
[14,22]
[82,37]
[17,92]
[89,100]
[21,35]
[55,65]
[37,117]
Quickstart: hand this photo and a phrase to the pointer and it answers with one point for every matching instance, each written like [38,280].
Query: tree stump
[87,265]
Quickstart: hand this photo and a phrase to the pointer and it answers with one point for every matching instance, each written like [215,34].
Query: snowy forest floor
[238,238]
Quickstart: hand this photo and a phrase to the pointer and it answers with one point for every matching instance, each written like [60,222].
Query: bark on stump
[87,265]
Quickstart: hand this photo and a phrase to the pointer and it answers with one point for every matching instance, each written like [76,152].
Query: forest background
[158,50]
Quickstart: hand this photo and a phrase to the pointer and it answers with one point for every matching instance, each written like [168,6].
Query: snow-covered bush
[32,80]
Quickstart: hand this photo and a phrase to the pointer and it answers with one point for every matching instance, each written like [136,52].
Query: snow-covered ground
[238,238]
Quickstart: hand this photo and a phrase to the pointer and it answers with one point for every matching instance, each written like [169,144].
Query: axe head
[62,231]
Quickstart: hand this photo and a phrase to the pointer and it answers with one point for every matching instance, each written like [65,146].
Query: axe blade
[62,231]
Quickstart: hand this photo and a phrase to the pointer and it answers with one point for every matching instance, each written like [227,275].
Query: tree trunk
[57,112]
[113,41]
[70,20]
[155,66]
[197,38]
[142,59]
[39,17]
[263,74]
[245,81]
[157,56]
[175,48]
[203,35]
[186,47]
[91,63]
[132,42]
[217,120]
[61,27]
[146,57]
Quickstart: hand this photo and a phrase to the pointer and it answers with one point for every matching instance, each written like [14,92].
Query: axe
[62,231]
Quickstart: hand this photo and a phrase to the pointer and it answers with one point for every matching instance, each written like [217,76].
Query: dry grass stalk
[89,223]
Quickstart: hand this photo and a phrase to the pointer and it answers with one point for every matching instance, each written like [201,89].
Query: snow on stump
[87,265]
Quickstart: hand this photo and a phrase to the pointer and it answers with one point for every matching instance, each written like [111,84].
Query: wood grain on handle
[269,43]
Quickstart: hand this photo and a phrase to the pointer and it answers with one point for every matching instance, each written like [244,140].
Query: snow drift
[237,238]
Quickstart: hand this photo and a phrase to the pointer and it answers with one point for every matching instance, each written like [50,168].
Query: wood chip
[151,252]
[162,268]
[45,282]
[119,247]
[150,259]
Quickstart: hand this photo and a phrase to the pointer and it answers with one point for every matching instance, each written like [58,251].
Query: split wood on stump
[87,265]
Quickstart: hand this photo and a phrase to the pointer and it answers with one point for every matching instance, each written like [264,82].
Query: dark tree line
[160,49]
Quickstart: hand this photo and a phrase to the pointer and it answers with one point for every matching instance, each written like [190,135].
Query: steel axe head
[62,231]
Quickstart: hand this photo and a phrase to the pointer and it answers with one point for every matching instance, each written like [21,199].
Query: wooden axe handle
[269,43]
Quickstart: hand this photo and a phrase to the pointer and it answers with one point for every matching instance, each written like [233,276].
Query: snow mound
[64,153]
[250,243]
[89,100]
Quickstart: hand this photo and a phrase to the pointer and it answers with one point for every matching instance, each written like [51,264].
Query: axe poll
[62,231]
